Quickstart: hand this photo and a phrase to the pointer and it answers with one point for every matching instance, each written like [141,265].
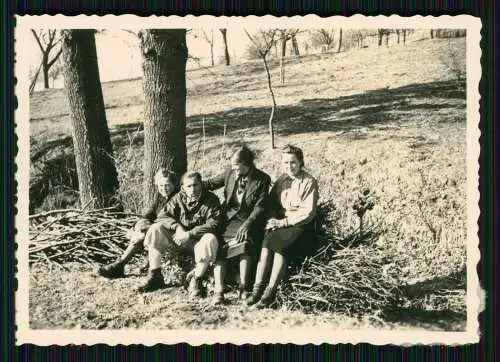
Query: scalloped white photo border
[298,335]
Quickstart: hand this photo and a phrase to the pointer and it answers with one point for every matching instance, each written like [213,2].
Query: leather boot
[196,287]
[155,281]
[267,300]
[112,271]
[243,293]
[256,294]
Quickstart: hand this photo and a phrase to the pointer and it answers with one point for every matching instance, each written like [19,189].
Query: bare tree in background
[262,43]
[54,72]
[402,32]
[295,46]
[209,38]
[340,41]
[323,38]
[33,78]
[285,36]
[48,41]
[381,33]
[224,40]
[97,176]
[164,56]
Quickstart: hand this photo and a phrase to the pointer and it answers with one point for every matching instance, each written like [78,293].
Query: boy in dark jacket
[190,222]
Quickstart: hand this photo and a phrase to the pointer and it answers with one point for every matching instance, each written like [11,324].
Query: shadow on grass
[349,113]
[422,312]
[366,110]
[435,319]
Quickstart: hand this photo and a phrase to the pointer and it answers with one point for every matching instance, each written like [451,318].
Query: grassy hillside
[392,120]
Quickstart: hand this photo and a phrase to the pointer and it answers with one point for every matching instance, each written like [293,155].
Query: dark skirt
[292,241]
[254,238]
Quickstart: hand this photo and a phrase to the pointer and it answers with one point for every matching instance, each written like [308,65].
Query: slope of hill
[390,119]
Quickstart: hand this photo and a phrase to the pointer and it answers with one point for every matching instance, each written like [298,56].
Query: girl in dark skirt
[245,194]
[293,203]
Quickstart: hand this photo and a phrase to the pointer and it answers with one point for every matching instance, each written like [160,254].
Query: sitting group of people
[277,224]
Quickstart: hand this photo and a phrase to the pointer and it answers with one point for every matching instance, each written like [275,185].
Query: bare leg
[269,296]
[279,266]
[266,257]
[219,276]
[245,263]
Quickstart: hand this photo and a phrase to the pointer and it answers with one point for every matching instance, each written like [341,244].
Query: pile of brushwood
[351,275]
[74,235]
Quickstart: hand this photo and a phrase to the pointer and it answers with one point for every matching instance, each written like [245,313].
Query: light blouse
[298,197]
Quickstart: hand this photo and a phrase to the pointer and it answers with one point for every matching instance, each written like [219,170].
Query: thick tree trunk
[404,37]
[164,56]
[97,177]
[380,36]
[340,41]
[432,33]
[397,33]
[224,39]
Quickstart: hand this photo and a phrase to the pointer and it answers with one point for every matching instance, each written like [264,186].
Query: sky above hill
[119,56]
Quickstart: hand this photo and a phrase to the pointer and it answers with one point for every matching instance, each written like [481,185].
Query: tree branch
[51,44]
[55,58]
[205,37]
[130,32]
[38,40]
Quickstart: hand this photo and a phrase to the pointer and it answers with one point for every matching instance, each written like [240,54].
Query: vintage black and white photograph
[226,175]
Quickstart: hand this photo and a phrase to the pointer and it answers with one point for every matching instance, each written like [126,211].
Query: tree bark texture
[97,177]
[45,66]
[224,39]
[164,55]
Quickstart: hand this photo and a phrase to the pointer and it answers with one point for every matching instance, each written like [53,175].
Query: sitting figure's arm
[258,211]
[147,218]
[169,216]
[212,219]
[216,182]
[306,210]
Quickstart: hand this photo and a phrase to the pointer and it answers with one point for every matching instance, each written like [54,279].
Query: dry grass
[391,119]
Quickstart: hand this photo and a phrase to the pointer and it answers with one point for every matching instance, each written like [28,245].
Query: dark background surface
[489,168]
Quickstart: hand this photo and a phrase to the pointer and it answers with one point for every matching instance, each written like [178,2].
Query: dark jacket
[151,212]
[203,218]
[253,205]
